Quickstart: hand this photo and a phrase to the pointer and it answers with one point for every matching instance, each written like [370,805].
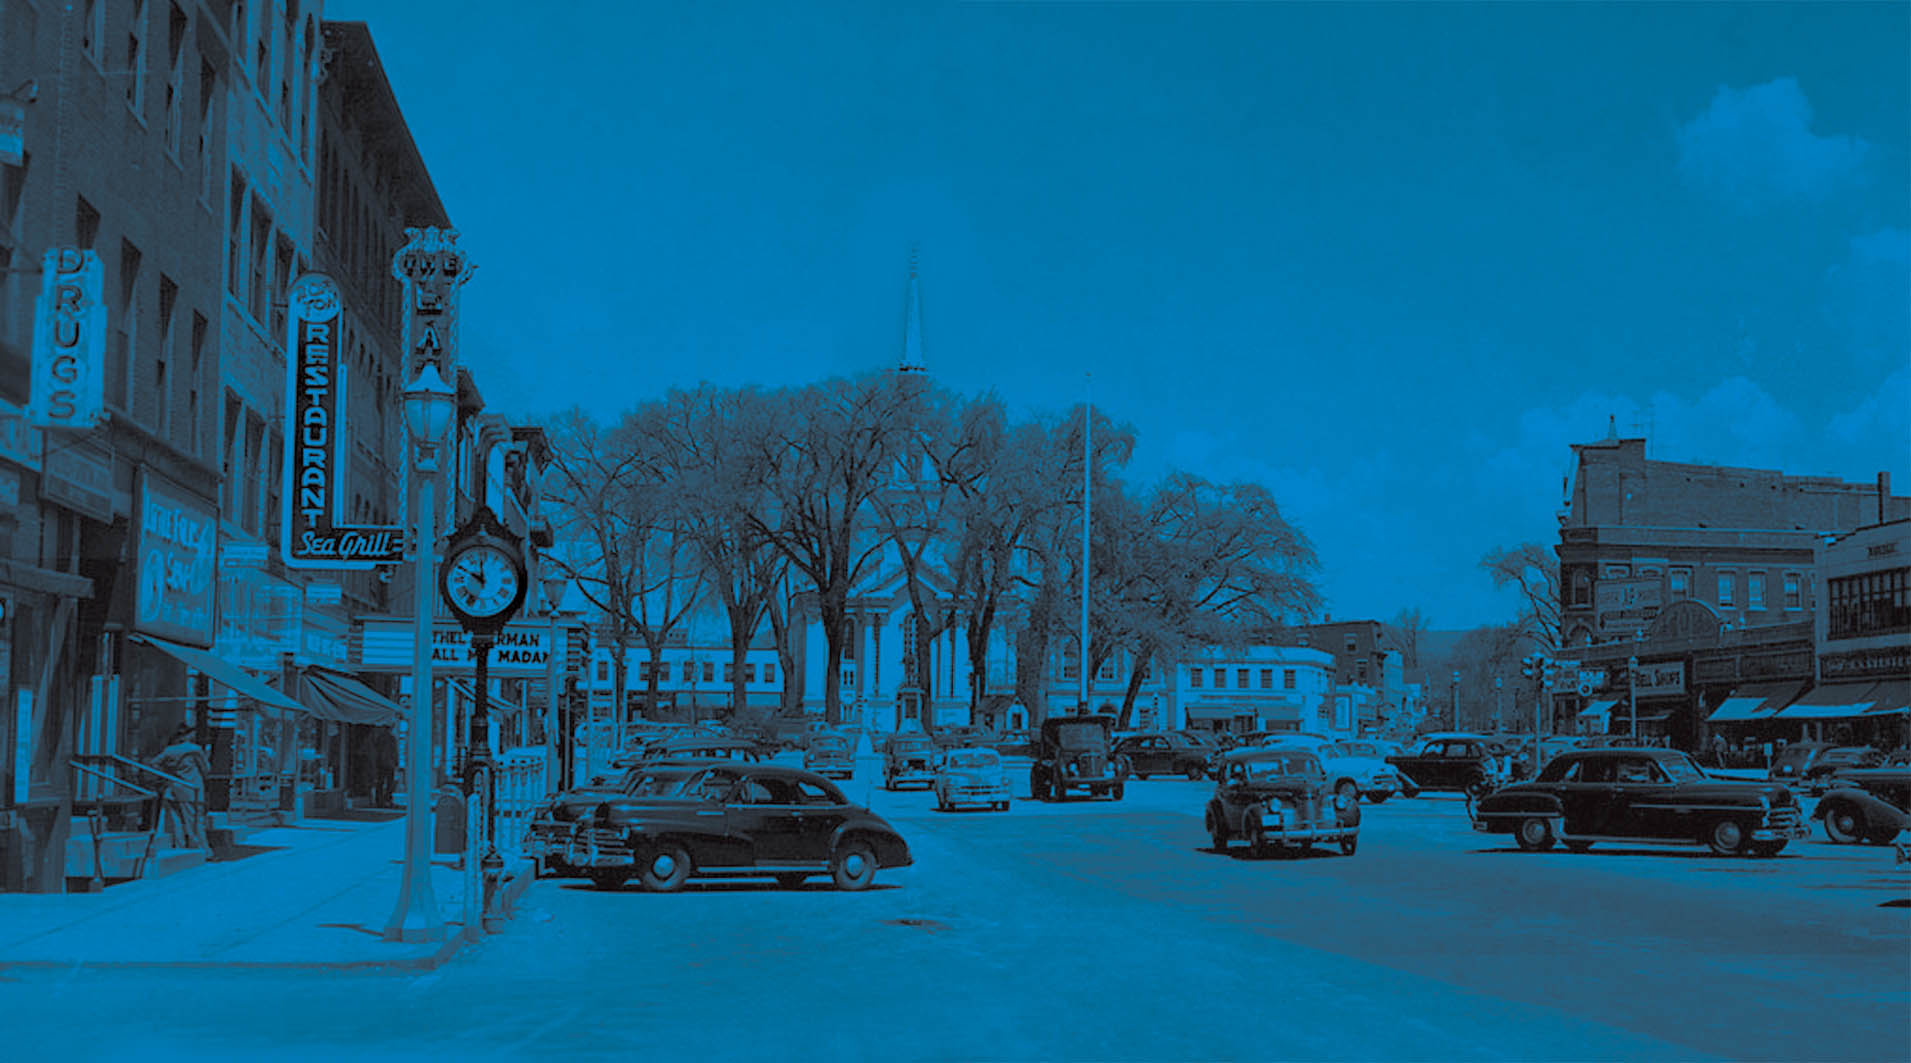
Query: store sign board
[178,550]
[19,441]
[520,650]
[317,442]
[1888,662]
[259,617]
[69,342]
[1653,680]
[1629,596]
[79,476]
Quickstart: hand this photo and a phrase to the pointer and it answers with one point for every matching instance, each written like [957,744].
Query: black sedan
[711,819]
[1165,754]
[1654,795]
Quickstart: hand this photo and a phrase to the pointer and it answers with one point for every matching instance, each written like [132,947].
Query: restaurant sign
[178,545]
[317,442]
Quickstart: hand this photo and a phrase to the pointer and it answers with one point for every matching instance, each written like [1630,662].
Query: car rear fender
[1877,812]
[891,851]
[1518,804]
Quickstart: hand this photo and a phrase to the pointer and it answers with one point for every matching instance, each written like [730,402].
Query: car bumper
[976,795]
[1309,834]
[912,775]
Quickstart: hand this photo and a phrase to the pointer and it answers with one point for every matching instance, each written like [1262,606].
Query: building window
[197,439]
[643,671]
[1267,679]
[261,256]
[849,640]
[1582,587]
[689,671]
[1728,586]
[168,304]
[1755,590]
[1875,603]
[123,346]
[1680,587]
[709,671]
[135,71]
[229,480]
[255,459]
[1287,679]
[208,80]
[175,78]
[93,29]
[1794,599]
[769,672]
[1194,677]
[274,480]
[1240,678]
[1220,678]
[729,671]
[749,672]
[603,670]
[1105,672]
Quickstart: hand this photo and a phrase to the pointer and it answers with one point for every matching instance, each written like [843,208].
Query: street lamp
[1632,684]
[429,406]
[1456,700]
[553,584]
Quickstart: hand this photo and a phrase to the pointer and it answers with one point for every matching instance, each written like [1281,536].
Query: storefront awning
[1831,701]
[337,696]
[1600,709]
[492,703]
[230,676]
[1754,701]
[1891,697]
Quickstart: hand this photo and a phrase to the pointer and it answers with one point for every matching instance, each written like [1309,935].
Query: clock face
[481,581]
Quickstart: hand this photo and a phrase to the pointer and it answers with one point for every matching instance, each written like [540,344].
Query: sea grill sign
[69,342]
[316,442]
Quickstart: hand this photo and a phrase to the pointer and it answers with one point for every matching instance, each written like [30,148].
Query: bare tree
[1533,569]
[833,447]
[1405,629]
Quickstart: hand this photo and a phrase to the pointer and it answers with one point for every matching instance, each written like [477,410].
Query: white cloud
[1755,147]
[1868,297]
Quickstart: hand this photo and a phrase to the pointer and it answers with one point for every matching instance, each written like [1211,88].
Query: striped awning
[1754,701]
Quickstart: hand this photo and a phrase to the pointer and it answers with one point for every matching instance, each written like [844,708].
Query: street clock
[483,579]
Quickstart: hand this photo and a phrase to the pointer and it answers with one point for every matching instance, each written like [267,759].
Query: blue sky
[1389,259]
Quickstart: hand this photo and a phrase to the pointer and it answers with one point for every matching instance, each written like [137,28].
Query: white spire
[912,325]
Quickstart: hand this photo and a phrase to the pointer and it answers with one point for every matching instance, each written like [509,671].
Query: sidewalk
[314,895]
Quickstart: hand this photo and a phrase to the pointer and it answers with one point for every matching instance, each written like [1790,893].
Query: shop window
[1875,603]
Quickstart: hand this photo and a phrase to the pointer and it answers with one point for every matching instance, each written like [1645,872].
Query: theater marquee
[317,440]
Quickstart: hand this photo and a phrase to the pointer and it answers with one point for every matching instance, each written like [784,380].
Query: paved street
[1095,930]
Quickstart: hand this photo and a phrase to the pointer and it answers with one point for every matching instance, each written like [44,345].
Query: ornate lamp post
[554,585]
[430,404]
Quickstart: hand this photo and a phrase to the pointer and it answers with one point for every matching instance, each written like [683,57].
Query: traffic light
[1529,665]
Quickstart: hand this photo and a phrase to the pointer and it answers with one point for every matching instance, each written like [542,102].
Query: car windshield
[1355,749]
[973,760]
[911,745]
[1682,769]
[1079,735]
[829,744]
[1275,767]
[1796,756]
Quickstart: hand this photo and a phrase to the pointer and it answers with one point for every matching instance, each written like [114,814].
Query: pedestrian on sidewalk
[185,801]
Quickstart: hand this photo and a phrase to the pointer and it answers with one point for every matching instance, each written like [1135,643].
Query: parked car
[1073,753]
[1790,763]
[1659,796]
[908,758]
[1279,798]
[718,818]
[971,777]
[1866,804]
[1353,767]
[1816,777]
[830,754]
[553,831]
[1449,760]
[1143,755]
[680,746]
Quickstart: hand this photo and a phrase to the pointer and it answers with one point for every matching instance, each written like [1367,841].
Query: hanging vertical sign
[316,442]
[69,342]
[431,267]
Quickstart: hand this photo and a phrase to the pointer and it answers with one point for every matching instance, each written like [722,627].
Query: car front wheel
[666,869]
[1726,837]
[854,866]
[1349,844]
[1535,834]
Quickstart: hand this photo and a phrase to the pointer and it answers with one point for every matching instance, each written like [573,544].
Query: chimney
[1884,495]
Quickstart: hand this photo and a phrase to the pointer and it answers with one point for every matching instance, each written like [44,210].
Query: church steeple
[911,361]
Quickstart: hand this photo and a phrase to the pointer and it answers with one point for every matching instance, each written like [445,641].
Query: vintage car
[1450,760]
[1658,796]
[1279,798]
[1073,753]
[687,744]
[908,758]
[726,819]
[971,777]
[1353,767]
[554,829]
[830,754]
[1794,759]
[1817,776]
[1866,804]
[1143,755]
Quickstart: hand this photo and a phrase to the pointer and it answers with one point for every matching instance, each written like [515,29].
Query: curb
[514,887]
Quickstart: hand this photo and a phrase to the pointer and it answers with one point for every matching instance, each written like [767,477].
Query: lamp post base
[414,924]
[491,866]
